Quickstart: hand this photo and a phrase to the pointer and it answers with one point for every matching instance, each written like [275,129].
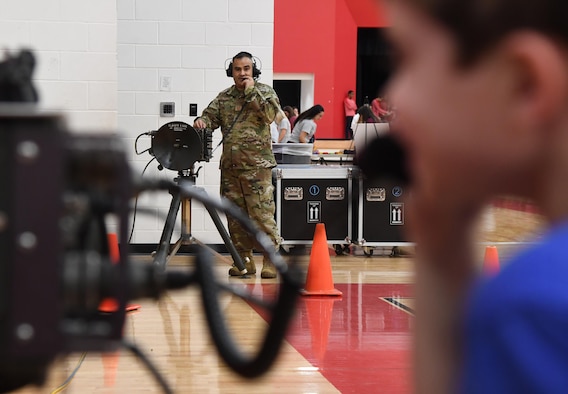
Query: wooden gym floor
[357,343]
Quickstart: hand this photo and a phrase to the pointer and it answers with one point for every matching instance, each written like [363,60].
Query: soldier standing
[244,112]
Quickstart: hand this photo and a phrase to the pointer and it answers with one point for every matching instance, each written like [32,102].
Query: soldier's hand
[199,124]
[248,81]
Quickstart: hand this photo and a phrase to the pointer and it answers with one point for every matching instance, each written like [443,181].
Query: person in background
[244,112]
[482,113]
[380,109]
[289,112]
[293,117]
[280,132]
[306,125]
[364,115]
[350,108]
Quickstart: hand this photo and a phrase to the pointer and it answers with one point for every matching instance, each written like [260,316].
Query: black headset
[255,70]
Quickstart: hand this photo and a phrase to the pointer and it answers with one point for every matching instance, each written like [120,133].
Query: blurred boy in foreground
[481,89]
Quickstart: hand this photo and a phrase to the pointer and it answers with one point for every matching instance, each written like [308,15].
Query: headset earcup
[230,70]
[255,71]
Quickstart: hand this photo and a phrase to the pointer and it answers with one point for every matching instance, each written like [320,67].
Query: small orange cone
[113,250]
[491,261]
[319,280]
[319,311]
[109,305]
[110,365]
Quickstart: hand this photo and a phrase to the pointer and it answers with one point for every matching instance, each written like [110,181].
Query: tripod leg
[160,258]
[226,238]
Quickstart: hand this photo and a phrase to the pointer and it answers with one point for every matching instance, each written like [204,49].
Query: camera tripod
[163,255]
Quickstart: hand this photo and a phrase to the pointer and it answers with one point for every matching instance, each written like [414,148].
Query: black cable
[63,386]
[136,144]
[281,311]
[151,367]
[223,205]
[136,203]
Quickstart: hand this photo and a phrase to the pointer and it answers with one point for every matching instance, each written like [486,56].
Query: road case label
[396,213]
[314,211]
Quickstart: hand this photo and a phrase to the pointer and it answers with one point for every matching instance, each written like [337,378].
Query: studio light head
[177,145]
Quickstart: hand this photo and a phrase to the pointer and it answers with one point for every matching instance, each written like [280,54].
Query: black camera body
[57,189]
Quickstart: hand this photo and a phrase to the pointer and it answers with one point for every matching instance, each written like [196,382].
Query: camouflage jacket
[247,144]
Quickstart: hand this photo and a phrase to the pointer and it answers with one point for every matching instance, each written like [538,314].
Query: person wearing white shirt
[305,127]
[280,132]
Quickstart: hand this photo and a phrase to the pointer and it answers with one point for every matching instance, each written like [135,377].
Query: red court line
[359,342]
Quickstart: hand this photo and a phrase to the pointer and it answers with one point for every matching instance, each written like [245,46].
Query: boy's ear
[541,67]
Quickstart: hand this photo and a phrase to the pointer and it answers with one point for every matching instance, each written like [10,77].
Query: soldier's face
[242,72]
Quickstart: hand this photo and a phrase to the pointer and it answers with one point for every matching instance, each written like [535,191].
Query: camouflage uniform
[247,159]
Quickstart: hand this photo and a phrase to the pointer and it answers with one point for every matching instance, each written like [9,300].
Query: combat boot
[268,270]
[249,265]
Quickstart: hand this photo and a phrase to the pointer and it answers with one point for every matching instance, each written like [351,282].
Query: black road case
[381,216]
[311,194]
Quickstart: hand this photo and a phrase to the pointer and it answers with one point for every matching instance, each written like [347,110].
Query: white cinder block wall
[177,51]
[75,47]
[107,64]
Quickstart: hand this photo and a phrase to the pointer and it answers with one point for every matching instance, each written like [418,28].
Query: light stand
[163,255]
[177,146]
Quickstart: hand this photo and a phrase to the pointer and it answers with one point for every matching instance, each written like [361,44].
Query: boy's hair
[477,25]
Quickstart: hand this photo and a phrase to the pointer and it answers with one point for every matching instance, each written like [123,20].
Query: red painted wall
[320,37]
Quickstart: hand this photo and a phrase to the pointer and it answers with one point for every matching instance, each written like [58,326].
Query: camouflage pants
[253,192]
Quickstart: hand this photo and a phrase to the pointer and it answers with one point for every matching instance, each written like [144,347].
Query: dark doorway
[288,92]
[374,63]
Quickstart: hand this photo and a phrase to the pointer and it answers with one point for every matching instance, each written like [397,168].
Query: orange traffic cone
[319,280]
[110,365]
[319,311]
[113,250]
[491,261]
[109,305]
